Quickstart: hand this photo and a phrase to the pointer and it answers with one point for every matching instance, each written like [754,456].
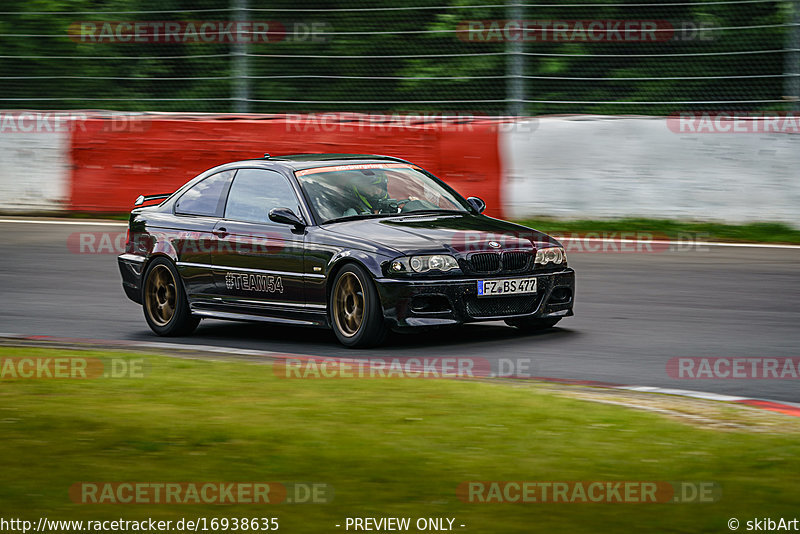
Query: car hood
[450,233]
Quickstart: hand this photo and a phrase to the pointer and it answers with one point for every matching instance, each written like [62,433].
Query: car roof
[310,161]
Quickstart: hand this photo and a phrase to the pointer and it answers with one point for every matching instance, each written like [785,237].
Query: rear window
[207,197]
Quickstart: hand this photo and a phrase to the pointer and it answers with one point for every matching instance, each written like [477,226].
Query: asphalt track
[633,313]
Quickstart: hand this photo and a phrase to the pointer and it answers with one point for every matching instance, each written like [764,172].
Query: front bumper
[413,303]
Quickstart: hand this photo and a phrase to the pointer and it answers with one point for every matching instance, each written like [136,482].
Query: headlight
[555,255]
[423,264]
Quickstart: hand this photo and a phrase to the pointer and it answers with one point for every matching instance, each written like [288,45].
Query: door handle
[220,232]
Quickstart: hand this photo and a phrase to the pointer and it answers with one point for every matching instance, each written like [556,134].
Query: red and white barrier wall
[570,167]
[111,168]
[34,171]
[704,167]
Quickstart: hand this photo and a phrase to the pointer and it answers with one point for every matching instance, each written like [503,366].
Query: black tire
[532,324]
[164,303]
[353,289]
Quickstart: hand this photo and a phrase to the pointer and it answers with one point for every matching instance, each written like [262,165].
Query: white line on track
[678,243]
[684,393]
[62,222]
[564,239]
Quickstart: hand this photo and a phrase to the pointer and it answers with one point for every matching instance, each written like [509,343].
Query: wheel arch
[161,248]
[146,265]
[373,328]
[366,261]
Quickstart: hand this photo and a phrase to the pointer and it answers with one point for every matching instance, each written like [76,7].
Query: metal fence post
[515,66]
[240,83]
[791,85]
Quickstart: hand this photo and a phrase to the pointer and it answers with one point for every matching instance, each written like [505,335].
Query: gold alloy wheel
[348,304]
[160,295]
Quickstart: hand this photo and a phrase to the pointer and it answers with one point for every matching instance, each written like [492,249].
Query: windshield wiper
[359,217]
[398,214]
[429,211]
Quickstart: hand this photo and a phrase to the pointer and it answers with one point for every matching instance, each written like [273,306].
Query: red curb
[772,406]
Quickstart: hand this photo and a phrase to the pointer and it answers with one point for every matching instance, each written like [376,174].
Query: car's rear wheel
[532,324]
[355,309]
[166,309]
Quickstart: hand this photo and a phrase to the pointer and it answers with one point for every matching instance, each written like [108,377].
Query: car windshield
[375,190]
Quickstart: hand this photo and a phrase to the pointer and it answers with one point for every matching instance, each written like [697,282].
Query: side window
[255,192]
[206,197]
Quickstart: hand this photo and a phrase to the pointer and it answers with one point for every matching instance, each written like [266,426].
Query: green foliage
[144,77]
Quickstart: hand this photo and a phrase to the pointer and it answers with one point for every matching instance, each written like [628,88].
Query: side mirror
[285,216]
[477,203]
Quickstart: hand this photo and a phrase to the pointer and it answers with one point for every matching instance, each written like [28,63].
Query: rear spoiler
[147,198]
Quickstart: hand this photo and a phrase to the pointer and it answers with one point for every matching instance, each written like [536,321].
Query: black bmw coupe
[358,243]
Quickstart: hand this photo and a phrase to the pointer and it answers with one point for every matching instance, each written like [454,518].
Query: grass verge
[761,232]
[387,447]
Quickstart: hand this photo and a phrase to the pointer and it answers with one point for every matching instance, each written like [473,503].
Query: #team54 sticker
[254,282]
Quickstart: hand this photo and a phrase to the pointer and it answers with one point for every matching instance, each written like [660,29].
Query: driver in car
[371,193]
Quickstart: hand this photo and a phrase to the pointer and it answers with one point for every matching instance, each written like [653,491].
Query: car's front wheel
[532,324]
[355,309]
[166,309]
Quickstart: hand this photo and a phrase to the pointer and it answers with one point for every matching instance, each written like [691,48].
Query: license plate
[511,286]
